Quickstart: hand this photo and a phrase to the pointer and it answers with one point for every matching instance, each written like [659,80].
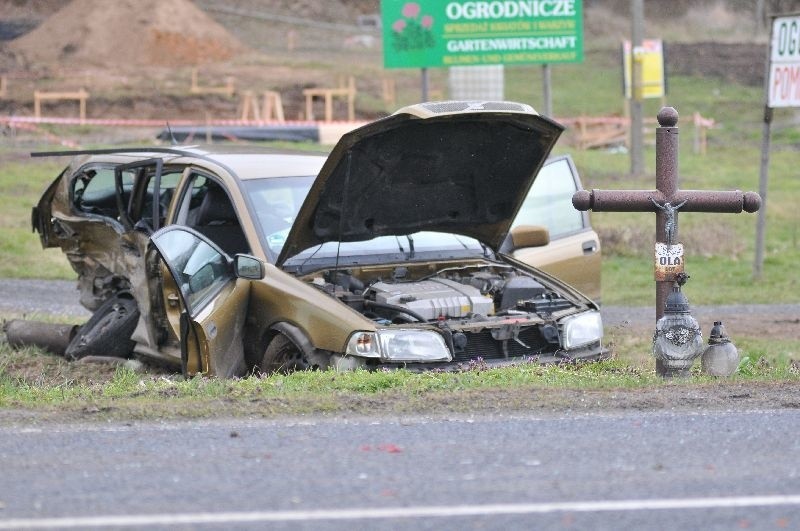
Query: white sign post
[781,89]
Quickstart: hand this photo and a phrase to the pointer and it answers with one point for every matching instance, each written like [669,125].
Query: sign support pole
[763,174]
[763,179]
[546,92]
[637,29]
[424,82]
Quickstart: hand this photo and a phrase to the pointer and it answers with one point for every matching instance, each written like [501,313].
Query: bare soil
[135,63]
[140,32]
[735,62]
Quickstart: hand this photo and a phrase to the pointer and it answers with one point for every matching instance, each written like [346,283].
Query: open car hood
[458,167]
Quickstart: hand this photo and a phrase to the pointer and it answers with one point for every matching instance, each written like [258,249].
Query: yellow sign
[650,59]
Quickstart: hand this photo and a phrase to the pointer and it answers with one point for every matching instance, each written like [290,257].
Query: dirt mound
[36,10]
[136,32]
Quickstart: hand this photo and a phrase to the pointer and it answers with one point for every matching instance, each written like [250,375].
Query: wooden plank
[80,96]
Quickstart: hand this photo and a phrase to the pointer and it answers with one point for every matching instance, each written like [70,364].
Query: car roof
[245,162]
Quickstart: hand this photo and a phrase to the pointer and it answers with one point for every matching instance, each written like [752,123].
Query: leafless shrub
[709,239]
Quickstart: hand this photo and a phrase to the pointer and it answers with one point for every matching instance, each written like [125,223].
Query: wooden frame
[228,89]
[80,96]
[327,94]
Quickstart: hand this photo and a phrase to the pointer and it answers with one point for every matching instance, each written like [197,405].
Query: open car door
[213,302]
[41,215]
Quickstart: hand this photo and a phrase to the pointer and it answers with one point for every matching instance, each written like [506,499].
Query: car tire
[108,331]
[282,356]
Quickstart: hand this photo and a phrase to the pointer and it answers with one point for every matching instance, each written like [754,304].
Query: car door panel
[42,220]
[98,251]
[212,302]
[81,212]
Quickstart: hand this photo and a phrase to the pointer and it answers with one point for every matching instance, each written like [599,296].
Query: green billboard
[438,33]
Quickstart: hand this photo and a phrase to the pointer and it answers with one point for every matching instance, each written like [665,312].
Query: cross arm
[642,200]
[733,201]
[616,200]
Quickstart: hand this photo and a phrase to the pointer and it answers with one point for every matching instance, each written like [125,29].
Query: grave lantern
[720,358]
[677,340]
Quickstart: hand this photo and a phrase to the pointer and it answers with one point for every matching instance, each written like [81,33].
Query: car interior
[211,213]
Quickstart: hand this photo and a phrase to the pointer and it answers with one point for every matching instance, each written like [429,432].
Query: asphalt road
[653,470]
[41,297]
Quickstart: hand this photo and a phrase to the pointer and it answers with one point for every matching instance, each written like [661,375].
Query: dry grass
[711,239]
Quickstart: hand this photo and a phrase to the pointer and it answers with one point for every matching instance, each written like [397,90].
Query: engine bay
[400,295]
[484,309]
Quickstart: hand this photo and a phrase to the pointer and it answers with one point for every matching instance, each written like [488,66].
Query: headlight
[581,330]
[399,345]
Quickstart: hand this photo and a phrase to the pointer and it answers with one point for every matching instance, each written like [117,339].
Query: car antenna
[171,136]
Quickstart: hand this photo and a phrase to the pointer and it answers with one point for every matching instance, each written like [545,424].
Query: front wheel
[107,332]
[282,356]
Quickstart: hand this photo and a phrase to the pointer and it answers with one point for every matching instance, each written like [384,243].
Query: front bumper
[590,353]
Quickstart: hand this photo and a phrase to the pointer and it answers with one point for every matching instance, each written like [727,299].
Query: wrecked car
[395,250]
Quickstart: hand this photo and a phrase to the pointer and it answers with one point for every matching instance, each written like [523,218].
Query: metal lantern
[720,358]
[677,340]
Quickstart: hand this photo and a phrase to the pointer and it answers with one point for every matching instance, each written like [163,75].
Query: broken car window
[93,191]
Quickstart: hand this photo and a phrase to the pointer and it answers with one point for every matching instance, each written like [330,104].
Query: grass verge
[34,384]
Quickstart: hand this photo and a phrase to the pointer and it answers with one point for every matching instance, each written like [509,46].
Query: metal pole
[759,16]
[546,84]
[763,178]
[424,75]
[667,182]
[637,143]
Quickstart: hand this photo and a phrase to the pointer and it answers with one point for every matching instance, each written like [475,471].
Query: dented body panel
[241,259]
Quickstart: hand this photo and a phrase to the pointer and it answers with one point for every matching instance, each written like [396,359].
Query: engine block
[434,298]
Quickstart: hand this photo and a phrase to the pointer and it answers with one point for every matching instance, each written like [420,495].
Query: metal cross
[667,198]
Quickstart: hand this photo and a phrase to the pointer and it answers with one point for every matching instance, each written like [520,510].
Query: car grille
[483,345]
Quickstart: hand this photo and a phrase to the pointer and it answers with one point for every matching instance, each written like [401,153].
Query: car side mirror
[529,236]
[246,266]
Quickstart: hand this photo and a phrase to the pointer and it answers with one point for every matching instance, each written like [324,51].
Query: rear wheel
[108,332]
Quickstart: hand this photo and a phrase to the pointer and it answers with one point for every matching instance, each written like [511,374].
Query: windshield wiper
[410,246]
[486,251]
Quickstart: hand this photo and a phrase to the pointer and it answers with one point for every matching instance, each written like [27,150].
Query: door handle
[589,247]
[173,299]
